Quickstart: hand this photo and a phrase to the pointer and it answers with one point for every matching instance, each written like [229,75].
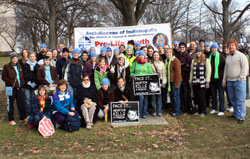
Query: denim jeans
[156,102]
[175,98]
[237,95]
[35,119]
[214,88]
[28,95]
[143,105]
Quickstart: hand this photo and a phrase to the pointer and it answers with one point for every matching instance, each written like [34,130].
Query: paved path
[150,120]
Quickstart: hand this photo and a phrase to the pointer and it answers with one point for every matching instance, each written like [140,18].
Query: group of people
[56,83]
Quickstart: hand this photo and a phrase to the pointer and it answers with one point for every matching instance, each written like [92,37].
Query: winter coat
[175,71]
[73,72]
[85,93]
[30,76]
[41,76]
[61,102]
[124,74]
[9,75]
[141,69]
[59,67]
[159,67]
[127,93]
[89,70]
[110,97]
[98,77]
[36,106]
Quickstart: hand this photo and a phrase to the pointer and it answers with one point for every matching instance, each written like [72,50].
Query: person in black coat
[30,70]
[60,62]
[86,91]
[123,93]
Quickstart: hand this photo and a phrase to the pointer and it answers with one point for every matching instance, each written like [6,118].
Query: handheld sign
[46,128]
[125,113]
[146,84]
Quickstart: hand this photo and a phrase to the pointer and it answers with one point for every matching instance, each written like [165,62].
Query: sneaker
[12,123]
[154,114]
[202,114]
[144,116]
[231,109]
[159,115]
[91,124]
[173,115]
[196,113]
[213,111]
[220,114]
[241,121]
[88,126]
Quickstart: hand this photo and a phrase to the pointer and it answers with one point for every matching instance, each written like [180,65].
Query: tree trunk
[129,16]
[226,25]
[52,24]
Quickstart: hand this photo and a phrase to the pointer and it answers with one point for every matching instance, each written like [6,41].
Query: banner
[146,84]
[46,128]
[116,36]
[125,113]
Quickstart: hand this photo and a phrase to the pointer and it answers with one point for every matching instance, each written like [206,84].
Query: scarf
[32,64]
[42,103]
[85,85]
[103,70]
[143,61]
[169,62]
[216,63]
[121,71]
[48,74]
[122,88]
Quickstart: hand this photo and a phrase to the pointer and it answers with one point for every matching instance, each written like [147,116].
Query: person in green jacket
[101,72]
[142,67]
[130,56]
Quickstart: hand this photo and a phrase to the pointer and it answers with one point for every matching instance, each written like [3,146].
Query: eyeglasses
[85,79]
[182,47]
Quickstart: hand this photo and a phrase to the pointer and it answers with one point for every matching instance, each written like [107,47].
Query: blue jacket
[62,102]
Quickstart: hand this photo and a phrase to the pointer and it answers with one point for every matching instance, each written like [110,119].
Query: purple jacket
[88,70]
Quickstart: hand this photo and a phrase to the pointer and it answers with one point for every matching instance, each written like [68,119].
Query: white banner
[115,36]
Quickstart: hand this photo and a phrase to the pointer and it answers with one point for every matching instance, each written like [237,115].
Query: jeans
[175,98]
[156,102]
[35,119]
[143,105]
[237,95]
[214,88]
[71,89]
[28,95]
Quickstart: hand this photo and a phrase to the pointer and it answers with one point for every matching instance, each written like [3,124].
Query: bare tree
[226,13]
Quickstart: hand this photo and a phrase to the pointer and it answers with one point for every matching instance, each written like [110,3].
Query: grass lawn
[184,137]
[3,61]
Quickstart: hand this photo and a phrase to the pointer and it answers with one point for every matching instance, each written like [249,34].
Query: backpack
[72,123]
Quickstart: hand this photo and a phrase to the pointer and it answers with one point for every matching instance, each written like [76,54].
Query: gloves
[33,85]
[207,84]
[112,69]
[29,83]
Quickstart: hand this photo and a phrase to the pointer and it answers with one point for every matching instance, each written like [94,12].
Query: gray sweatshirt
[236,67]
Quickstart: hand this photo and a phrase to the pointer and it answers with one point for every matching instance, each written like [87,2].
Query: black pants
[208,96]
[185,95]
[199,98]
[19,96]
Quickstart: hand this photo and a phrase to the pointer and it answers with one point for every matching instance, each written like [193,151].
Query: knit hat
[176,42]
[70,46]
[206,44]
[91,48]
[105,81]
[93,54]
[137,53]
[215,45]
[149,44]
[13,54]
[43,45]
[138,44]
[116,50]
[106,44]
[109,49]
[103,50]
[160,44]
[76,50]
[141,52]
[83,48]
[199,49]
[65,50]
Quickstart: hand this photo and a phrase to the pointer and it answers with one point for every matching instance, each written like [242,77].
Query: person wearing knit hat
[41,54]
[109,55]
[207,51]
[207,44]
[130,55]
[93,54]
[106,45]
[105,95]
[176,46]
[160,44]
[217,64]
[137,46]
[103,53]
[91,49]
[137,53]
[73,71]
[12,75]
[161,51]
[141,67]
[116,53]
[199,49]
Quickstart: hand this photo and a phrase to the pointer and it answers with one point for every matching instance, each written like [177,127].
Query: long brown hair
[44,88]
[24,60]
[201,59]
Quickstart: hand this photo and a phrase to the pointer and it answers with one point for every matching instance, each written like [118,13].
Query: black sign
[146,84]
[125,113]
